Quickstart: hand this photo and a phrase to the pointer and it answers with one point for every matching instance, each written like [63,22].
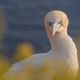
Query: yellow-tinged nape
[60,22]
[57,15]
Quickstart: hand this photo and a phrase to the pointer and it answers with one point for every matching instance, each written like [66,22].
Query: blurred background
[22,31]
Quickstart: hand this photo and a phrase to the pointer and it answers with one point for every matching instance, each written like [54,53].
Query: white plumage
[59,63]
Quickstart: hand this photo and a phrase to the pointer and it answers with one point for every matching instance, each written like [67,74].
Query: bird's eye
[50,23]
[60,22]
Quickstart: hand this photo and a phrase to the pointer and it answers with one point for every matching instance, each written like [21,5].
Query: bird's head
[56,22]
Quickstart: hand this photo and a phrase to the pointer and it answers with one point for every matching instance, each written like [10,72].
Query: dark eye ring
[60,22]
[50,23]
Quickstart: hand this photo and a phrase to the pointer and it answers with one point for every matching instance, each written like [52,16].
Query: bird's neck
[63,43]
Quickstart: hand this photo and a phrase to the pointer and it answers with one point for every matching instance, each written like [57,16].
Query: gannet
[60,63]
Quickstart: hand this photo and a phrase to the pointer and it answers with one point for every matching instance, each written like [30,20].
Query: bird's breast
[65,65]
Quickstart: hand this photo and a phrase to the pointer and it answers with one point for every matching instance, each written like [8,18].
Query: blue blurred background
[24,22]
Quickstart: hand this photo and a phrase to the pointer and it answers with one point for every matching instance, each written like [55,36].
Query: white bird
[59,63]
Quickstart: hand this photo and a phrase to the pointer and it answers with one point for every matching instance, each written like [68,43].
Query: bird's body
[60,62]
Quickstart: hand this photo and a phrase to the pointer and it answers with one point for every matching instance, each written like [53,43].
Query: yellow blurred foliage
[23,50]
[4,65]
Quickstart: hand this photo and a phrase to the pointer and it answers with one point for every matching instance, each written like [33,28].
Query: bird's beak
[54,27]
